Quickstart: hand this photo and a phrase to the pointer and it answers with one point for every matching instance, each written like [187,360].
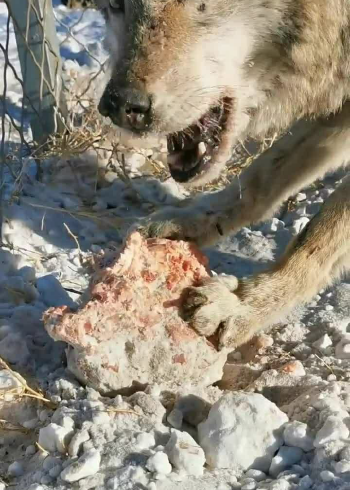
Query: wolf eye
[117,5]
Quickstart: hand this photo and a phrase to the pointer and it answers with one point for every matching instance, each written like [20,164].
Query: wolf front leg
[315,259]
[292,163]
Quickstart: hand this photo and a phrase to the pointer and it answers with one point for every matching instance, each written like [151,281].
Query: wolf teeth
[202,149]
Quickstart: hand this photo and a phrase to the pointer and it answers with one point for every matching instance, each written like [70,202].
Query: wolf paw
[215,306]
[197,226]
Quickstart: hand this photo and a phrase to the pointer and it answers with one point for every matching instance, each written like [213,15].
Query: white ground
[42,266]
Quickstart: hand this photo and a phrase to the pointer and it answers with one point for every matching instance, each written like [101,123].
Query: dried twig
[328,366]
[2,143]
[122,411]
[27,390]
[75,238]
[104,216]
[41,449]
[6,425]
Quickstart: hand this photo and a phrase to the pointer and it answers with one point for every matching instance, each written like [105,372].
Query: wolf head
[192,70]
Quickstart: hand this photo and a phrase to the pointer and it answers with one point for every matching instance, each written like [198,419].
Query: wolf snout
[129,108]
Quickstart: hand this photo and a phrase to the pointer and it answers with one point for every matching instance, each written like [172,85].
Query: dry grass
[84,131]
[17,394]
[24,390]
[99,216]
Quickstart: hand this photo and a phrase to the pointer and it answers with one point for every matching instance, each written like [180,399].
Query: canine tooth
[201,149]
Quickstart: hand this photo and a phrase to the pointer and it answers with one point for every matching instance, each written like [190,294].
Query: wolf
[209,74]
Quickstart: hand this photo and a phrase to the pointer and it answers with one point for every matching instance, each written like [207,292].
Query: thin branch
[3,131]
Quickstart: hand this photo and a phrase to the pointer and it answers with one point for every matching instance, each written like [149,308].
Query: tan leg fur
[313,261]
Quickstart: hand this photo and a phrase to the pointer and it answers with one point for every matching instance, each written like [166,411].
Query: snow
[332,430]
[54,437]
[77,441]
[284,459]
[87,465]
[119,441]
[342,349]
[159,463]
[327,476]
[323,342]
[296,435]
[257,475]
[184,453]
[242,431]
[15,469]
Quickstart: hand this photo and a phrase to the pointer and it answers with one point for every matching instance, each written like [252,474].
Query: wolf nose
[128,108]
[136,105]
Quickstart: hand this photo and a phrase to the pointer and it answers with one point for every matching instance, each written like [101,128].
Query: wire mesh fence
[39,100]
[50,68]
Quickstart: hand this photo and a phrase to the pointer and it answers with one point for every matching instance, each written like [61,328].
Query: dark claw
[220,230]
[149,230]
[194,299]
[145,231]
[152,230]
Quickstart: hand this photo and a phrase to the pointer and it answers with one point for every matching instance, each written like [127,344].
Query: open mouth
[193,151]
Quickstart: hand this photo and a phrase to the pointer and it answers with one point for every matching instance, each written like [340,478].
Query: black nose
[127,107]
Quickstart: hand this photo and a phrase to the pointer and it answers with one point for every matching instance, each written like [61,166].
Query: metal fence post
[40,62]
